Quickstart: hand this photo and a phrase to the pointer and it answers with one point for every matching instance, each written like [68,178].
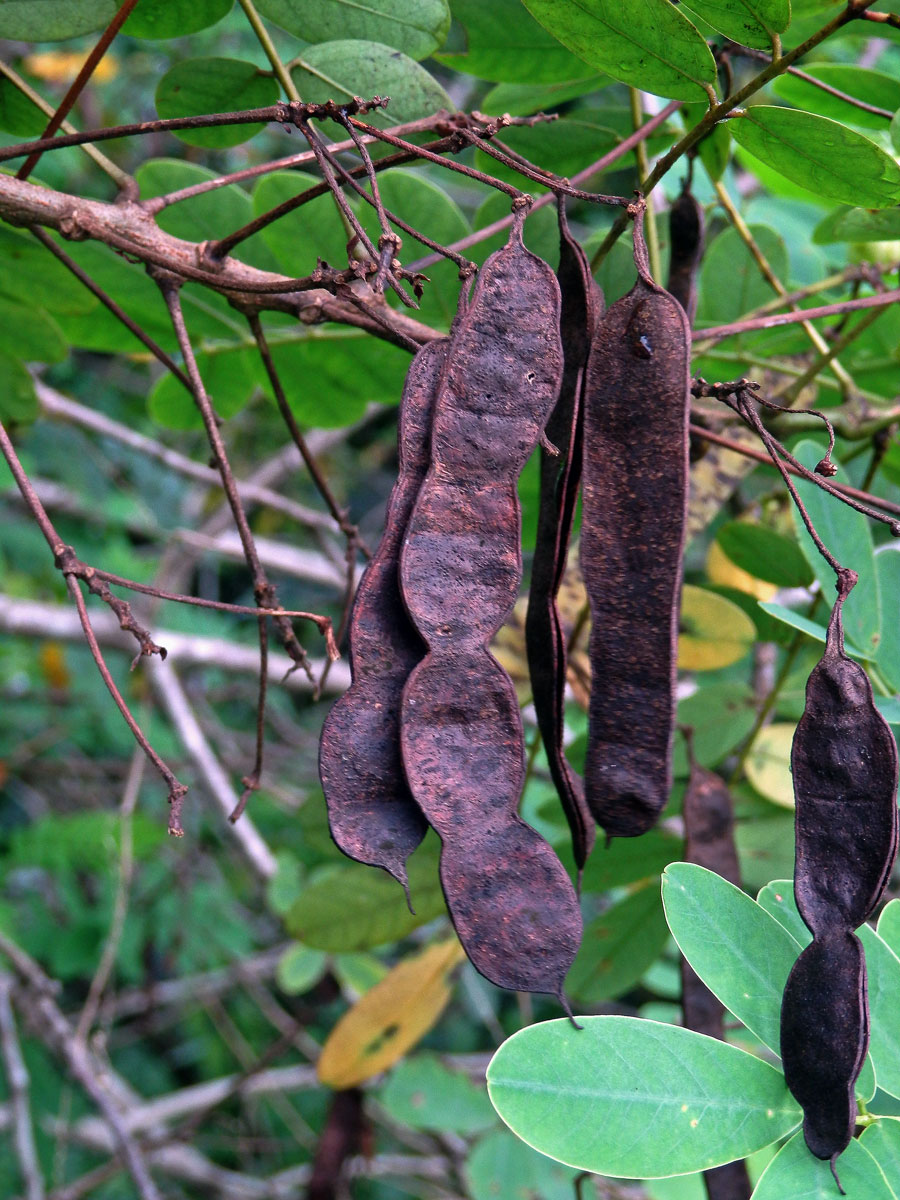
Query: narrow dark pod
[824,1038]
[371,812]
[635,482]
[511,901]
[545,640]
[686,245]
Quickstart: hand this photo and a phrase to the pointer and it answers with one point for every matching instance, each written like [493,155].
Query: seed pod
[824,1038]
[512,903]
[686,245]
[844,763]
[372,814]
[632,536]
[545,640]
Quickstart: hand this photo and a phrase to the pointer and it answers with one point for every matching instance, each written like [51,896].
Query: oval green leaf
[501,1167]
[627,860]
[648,45]
[749,22]
[637,1099]
[858,225]
[795,1173]
[18,401]
[424,1094]
[874,88]
[300,237]
[765,554]
[30,334]
[821,155]
[53,20]
[883,968]
[887,568]
[740,952]
[504,44]
[174,18]
[198,86]
[342,70]
[882,1140]
[417,27]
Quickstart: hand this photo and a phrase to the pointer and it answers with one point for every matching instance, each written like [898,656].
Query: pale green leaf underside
[344,69]
[648,45]
[820,154]
[637,1099]
[794,1173]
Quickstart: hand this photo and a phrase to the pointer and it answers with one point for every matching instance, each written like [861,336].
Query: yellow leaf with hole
[713,632]
[390,1018]
[768,765]
[723,572]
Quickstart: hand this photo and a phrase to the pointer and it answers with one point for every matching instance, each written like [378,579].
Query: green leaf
[199,86]
[229,381]
[417,27]
[795,1173]
[848,536]
[750,22]
[649,45]
[355,908]
[820,154]
[765,847]
[506,45]
[50,284]
[300,968]
[797,621]
[889,925]
[727,257]
[286,884]
[17,114]
[740,952]
[523,99]
[18,401]
[424,1094]
[721,715]
[30,334]
[312,231]
[777,898]
[872,87]
[883,968]
[174,18]
[858,225]
[344,69]
[882,1140]
[503,1168]
[637,1099]
[628,860]
[53,20]
[887,569]
[764,553]
[618,947]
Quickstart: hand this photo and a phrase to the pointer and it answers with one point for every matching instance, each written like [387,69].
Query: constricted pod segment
[635,485]
[511,900]
[373,817]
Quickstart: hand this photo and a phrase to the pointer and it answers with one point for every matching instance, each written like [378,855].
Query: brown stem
[717,332]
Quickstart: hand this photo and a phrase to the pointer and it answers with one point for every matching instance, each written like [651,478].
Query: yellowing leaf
[61,66]
[390,1018]
[713,633]
[768,764]
[723,572]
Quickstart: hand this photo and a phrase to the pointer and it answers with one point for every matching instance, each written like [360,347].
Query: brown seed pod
[824,1038]
[372,814]
[686,245]
[635,479]
[545,641]
[510,898]
[844,764]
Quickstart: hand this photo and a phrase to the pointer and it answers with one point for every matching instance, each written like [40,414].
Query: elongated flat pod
[510,899]
[686,244]
[545,640]
[372,814]
[632,537]
[824,1038]
[844,764]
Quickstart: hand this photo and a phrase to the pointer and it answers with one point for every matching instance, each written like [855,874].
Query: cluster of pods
[429,733]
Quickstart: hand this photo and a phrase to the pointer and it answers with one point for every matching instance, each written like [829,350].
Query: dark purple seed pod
[371,812]
[582,303]
[510,899]
[686,245]
[635,478]
[824,1038]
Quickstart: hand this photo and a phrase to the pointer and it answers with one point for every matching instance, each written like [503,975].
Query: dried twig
[18,1087]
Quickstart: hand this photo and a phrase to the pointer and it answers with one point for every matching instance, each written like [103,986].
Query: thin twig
[17,1082]
[716,332]
[262,36]
[761,56]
